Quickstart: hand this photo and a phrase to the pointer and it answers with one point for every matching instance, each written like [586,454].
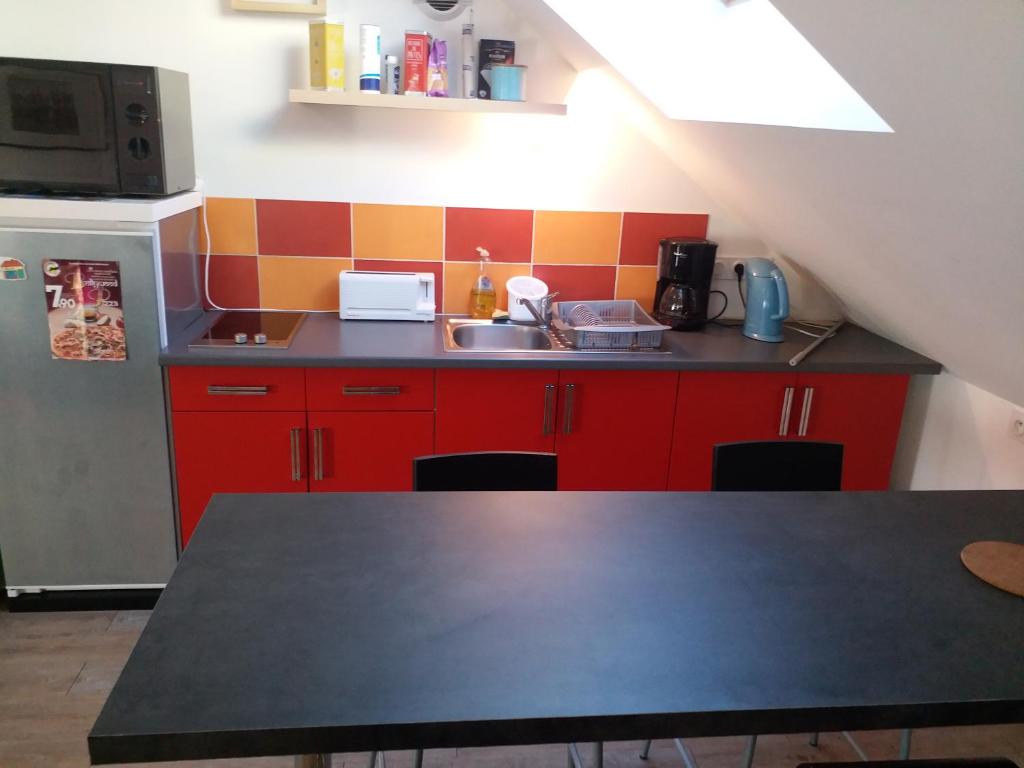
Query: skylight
[734,62]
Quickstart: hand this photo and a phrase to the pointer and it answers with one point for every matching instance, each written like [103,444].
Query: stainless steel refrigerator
[85,479]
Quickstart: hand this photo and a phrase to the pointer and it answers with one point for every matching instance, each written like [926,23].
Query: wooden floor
[57,668]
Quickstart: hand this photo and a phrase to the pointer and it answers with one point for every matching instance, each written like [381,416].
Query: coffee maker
[685,268]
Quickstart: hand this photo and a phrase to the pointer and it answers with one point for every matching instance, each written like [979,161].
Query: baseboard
[85,600]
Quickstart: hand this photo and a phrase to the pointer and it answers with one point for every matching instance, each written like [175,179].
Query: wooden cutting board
[999,563]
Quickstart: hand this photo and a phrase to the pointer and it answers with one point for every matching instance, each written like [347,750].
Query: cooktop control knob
[259,338]
[241,338]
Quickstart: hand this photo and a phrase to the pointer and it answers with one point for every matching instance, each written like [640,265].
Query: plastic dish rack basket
[606,325]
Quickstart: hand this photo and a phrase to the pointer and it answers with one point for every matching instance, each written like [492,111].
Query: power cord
[725,306]
[739,269]
[206,282]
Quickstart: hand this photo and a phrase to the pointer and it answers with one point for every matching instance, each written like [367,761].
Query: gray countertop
[317,623]
[326,341]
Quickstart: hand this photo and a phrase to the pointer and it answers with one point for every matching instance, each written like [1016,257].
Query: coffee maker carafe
[685,268]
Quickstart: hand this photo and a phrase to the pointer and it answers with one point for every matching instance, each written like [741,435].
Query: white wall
[251,142]
[957,436]
[919,233]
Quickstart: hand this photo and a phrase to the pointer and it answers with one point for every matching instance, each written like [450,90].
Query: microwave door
[57,129]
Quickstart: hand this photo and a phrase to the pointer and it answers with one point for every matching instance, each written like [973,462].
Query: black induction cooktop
[249,330]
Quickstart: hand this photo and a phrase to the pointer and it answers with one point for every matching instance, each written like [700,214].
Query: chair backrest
[777,465]
[486,472]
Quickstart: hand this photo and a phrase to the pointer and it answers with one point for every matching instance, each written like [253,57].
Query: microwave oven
[83,128]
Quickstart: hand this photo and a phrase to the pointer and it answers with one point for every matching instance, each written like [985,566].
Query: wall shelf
[348,99]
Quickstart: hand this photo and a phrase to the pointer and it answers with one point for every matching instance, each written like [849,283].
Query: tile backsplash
[286,254]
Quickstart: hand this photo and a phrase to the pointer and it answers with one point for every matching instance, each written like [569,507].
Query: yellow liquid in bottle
[482,302]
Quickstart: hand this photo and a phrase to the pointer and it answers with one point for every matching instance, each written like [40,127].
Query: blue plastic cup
[508,82]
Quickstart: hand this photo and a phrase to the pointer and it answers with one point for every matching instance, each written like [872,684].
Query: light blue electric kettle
[767,300]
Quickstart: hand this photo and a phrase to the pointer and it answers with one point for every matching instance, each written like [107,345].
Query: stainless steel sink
[464,335]
[484,336]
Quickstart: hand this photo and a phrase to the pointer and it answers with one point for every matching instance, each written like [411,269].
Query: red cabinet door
[861,411]
[495,410]
[235,453]
[365,451]
[614,429]
[714,408]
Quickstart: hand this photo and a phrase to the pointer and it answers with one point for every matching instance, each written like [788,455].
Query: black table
[299,624]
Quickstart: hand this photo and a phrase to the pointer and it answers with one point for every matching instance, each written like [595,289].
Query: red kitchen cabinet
[611,429]
[714,408]
[861,411]
[367,451]
[495,410]
[235,452]
[614,430]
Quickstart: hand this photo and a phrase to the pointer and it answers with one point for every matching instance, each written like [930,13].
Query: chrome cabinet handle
[787,409]
[215,389]
[805,411]
[296,455]
[363,391]
[570,404]
[318,454]
[549,409]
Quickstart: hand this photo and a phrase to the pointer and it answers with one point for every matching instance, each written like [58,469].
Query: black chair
[515,471]
[778,465]
[485,471]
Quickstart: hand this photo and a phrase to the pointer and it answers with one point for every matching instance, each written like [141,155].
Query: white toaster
[386,295]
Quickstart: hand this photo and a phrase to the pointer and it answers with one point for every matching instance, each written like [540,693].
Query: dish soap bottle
[482,299]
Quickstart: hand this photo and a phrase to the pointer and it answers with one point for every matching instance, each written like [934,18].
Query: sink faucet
[542,316]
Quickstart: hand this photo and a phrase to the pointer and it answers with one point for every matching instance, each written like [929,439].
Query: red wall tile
[436,267]
[642,231]
[234,281]
[301,228]
[578,283]
[508,235]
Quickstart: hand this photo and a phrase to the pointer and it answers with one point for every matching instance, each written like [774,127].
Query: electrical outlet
[1018,424]
[725,268]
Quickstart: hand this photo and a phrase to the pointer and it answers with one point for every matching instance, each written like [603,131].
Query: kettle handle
[780,284]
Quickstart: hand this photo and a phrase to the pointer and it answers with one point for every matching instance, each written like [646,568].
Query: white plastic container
[469,69]
[369,58]
[524,287]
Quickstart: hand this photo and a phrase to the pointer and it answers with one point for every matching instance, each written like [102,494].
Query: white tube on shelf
[369,56]
[469,66]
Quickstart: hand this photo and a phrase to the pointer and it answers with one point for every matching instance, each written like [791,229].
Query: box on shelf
[327,55]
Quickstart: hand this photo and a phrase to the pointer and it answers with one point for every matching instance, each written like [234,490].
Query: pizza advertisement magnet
[84,310]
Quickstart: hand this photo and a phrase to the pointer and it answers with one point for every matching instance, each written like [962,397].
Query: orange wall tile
[298,283]
[567,237]
[398,232]
[637,283]
[232,222]
[460,277]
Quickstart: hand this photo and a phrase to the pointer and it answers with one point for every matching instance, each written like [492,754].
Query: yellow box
[327,55]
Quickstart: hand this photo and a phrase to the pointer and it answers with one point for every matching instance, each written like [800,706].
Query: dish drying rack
[615,324]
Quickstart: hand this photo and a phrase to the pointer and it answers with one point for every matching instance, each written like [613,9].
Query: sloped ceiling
[918,233]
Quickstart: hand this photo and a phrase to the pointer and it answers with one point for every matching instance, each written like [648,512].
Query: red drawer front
[237,389]
[370,389]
